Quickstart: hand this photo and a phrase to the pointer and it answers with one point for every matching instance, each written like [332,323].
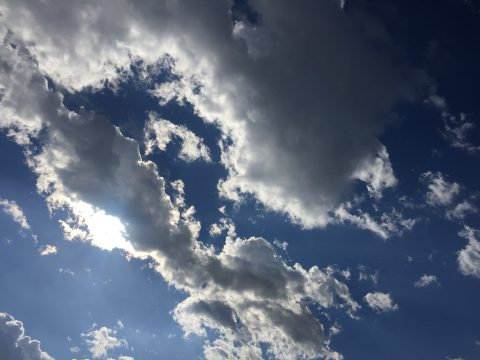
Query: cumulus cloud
[160,132]
[440,192]
[15,345]
[380,302]
[12,209]
[47,250]
[86,167]
[101,341]
[314,132]
[469,257]
[426,280]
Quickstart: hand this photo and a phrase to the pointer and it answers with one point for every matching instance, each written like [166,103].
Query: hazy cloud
[440,192]
[426,280]
[12,209]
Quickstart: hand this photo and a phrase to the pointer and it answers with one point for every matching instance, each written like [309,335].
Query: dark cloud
[308,86]
[85,166]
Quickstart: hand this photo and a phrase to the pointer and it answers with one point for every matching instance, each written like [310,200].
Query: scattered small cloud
[102,340]
[160,132]
[365,275]
[388,224]
[281,244]
[12,209]
[469,257]
[66,271]
[440,191]
[456,127]
[47,250]
[380,302]
[461,210]
[377,173]
[426,280]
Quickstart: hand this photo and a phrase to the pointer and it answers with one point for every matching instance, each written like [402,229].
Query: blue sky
[239,180]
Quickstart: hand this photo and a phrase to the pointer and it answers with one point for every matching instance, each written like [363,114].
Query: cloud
[113,198]
[160,132]
[426,280]
[48,250]
[461,210]
[469,257]
[15,345]
[363,275]
[380,302]
[101,341]
[391,223]
[12,209]
[377,174]
[314,119]
[440,191]
[456,126]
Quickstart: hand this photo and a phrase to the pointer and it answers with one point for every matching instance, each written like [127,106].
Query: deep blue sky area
[405,247]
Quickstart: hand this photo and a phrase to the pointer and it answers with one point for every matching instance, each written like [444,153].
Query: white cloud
[392,223]
[440,191]
[160,132]
[293,141]
[456,126]
[12,209]
[15,345]
[115,199]
[47,250]
[380,302]
[225,224]
[364,275]
[469,257]
[101,341]
[377,173]
[426,280]
[461,210]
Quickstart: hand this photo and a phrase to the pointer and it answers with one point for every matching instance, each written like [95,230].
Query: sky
[233,179]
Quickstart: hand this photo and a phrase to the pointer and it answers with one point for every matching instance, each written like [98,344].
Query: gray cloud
[15,345]
[116,199]
[309,87]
